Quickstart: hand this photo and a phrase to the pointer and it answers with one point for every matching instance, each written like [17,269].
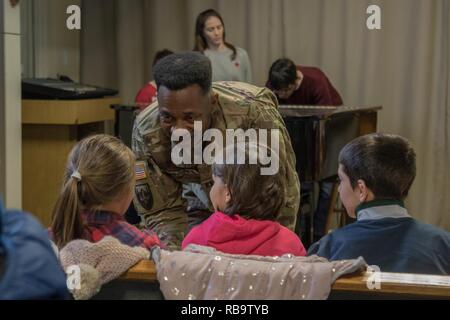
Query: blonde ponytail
[66,224]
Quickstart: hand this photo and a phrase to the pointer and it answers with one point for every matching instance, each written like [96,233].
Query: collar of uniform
[217,116]
[382,208]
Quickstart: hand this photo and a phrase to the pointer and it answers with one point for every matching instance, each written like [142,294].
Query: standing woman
[229,63]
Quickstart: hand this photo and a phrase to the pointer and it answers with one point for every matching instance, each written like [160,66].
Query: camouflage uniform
[164,190]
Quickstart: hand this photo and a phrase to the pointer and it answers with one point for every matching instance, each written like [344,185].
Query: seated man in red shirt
[147,94]
[299,85]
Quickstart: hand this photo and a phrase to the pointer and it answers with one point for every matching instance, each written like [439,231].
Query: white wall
[10,107]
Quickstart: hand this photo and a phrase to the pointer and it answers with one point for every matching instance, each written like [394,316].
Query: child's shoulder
[429,231]
[20,223]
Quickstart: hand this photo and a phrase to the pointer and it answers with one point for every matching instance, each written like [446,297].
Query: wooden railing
[392,285]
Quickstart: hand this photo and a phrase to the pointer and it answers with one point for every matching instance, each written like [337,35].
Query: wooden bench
[392,286]
[142,279]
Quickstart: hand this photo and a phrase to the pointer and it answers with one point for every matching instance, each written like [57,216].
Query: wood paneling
[50,129]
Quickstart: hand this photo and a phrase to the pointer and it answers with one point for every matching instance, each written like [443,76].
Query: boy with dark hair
[300,85]
[376,172]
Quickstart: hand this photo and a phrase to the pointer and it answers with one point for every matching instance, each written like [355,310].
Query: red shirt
[315,90]
[146,96]
[237,235]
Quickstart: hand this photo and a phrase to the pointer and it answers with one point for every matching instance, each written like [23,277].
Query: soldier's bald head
[181,70]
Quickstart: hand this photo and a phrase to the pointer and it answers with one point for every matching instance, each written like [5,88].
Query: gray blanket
[204,273]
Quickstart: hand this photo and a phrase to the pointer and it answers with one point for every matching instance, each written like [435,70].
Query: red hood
[234,234]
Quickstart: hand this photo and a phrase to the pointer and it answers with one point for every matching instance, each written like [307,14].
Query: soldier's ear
[214,97]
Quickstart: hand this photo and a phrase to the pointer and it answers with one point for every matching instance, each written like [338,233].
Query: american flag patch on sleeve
[139,169]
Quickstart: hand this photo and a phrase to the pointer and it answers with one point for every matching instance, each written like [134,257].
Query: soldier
[170,197]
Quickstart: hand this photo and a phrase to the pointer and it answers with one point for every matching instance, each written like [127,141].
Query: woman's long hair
[200,40]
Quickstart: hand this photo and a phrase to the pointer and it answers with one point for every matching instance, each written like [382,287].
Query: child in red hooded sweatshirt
[246,204]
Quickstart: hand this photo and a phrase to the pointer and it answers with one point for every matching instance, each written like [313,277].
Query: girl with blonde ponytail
[97,190]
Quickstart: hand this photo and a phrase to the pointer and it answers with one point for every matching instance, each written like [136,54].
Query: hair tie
[76,174]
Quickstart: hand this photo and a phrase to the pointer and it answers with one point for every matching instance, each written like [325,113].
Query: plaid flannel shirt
[103,223]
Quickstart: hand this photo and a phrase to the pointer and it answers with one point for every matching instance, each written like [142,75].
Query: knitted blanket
[90,265]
